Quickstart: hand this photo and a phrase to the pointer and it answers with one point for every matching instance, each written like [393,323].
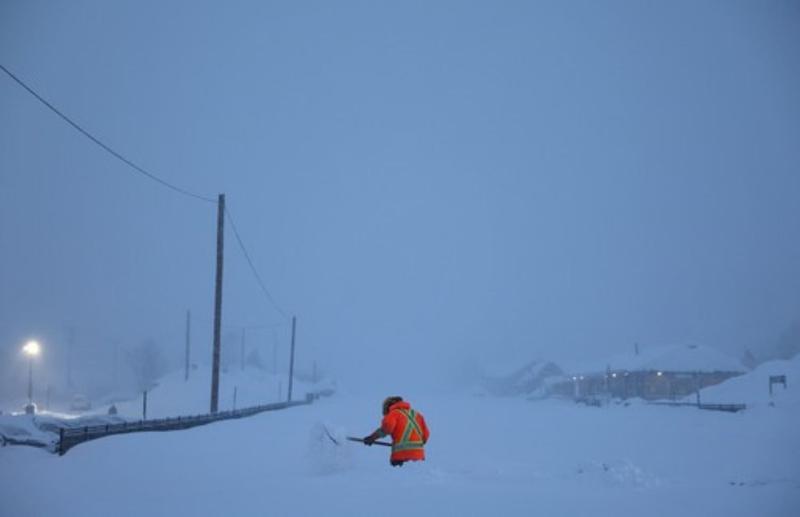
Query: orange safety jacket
[408,431]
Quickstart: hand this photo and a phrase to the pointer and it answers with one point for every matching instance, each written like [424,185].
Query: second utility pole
[291,360]
[218,305]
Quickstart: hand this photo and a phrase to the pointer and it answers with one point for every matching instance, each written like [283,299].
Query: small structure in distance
[657,373]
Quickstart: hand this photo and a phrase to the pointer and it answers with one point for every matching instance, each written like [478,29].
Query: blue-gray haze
[425,184]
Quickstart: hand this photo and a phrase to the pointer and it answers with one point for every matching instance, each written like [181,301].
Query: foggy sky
[420,183]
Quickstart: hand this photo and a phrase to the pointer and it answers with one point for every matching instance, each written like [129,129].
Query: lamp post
[31,349]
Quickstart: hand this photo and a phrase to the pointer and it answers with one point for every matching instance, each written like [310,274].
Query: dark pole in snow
[188,343]
[144,405]
[218,304]
[291,360]
[697,387]
[30,380]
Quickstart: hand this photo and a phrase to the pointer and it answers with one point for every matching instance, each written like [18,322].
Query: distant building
[671,372]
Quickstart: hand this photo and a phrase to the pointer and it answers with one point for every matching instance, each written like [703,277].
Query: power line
[257,326]
[253,268]
[152,177]
[108,149]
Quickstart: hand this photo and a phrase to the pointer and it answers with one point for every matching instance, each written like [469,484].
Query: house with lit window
[653,373]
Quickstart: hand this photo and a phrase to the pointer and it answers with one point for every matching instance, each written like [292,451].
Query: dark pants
[396,463]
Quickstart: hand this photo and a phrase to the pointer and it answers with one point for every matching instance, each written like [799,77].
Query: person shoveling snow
[407,428]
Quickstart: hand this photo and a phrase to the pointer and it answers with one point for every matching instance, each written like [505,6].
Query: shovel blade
[361,440]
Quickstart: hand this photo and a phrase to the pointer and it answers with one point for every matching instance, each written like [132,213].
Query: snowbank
[753,388]
[42,430]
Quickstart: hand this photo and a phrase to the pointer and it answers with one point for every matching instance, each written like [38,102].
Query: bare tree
[147,363]
[254,359]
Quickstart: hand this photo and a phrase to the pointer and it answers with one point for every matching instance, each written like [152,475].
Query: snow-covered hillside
[174,396]
[532,380]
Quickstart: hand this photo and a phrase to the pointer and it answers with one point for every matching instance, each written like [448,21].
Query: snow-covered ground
[487,456]
[173,396]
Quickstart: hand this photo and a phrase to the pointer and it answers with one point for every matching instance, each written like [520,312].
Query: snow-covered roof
[504,368]
[677,358]
[671,358]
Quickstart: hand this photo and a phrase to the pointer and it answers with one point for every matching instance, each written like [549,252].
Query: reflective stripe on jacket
[408,430]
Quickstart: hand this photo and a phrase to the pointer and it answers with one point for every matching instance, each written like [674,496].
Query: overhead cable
[253,267]
[97,141]
[153,177]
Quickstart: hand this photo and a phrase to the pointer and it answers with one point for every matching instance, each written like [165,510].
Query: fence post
[697,387]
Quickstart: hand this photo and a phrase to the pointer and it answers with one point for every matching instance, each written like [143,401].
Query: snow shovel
[361,440]
[352,439]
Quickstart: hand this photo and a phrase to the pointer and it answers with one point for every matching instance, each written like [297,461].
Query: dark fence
[70,437]
[10,440]
[730,408]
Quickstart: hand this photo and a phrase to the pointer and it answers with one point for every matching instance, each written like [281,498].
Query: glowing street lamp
[32,350]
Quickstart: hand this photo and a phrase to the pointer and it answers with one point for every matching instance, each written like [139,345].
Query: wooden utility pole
[291,360]
[218,304]
[188,343]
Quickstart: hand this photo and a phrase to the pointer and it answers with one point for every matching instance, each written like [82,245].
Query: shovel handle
[361,440]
